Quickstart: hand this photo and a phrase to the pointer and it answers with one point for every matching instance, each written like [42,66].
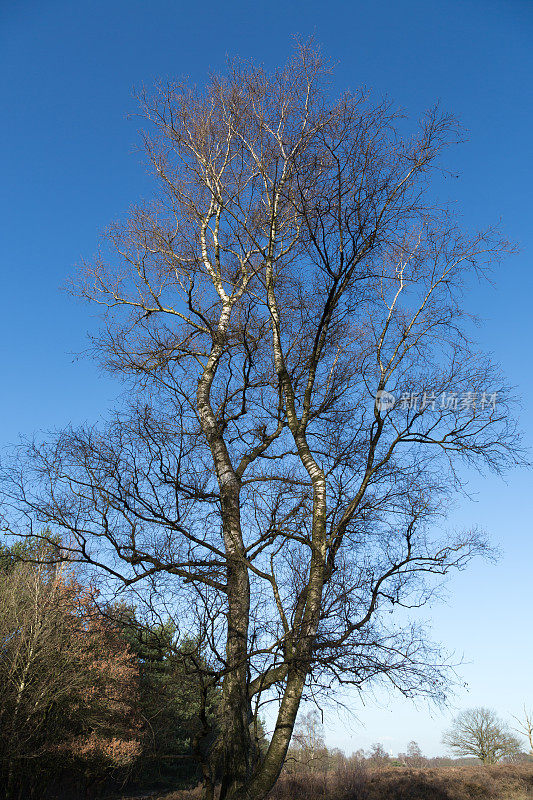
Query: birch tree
[525,726]
[303,396]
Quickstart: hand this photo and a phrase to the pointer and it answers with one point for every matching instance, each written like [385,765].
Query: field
[472,782]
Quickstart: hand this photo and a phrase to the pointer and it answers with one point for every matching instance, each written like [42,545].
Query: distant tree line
[476,734]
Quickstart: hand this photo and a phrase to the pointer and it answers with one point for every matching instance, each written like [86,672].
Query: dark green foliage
[178,703]
[29,550]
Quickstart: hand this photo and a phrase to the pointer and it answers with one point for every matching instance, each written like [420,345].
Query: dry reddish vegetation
[498,782]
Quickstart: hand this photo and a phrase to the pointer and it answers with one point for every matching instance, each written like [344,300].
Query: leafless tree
[67,679]
[378,755]
[478,732]
[413,756]
[525,726]
[309,751]
[290,270]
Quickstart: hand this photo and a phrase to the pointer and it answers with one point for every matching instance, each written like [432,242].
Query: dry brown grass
[472,782]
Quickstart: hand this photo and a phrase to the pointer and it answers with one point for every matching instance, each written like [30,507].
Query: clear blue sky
[69,167]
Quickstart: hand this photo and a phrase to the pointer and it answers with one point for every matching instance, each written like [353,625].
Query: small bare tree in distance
[413,756]
[378,756]
[291,268]
[479,732]
[525,726]
[308,742]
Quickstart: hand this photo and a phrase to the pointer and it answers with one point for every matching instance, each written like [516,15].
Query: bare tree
[291,271]
[479,732]
[309,750]
[69,684]
[525,726]
[413,756]
[378,756]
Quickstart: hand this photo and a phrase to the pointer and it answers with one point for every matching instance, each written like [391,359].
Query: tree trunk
[236,706]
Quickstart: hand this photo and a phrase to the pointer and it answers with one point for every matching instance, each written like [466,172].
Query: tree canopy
[478,732]
[303,396]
